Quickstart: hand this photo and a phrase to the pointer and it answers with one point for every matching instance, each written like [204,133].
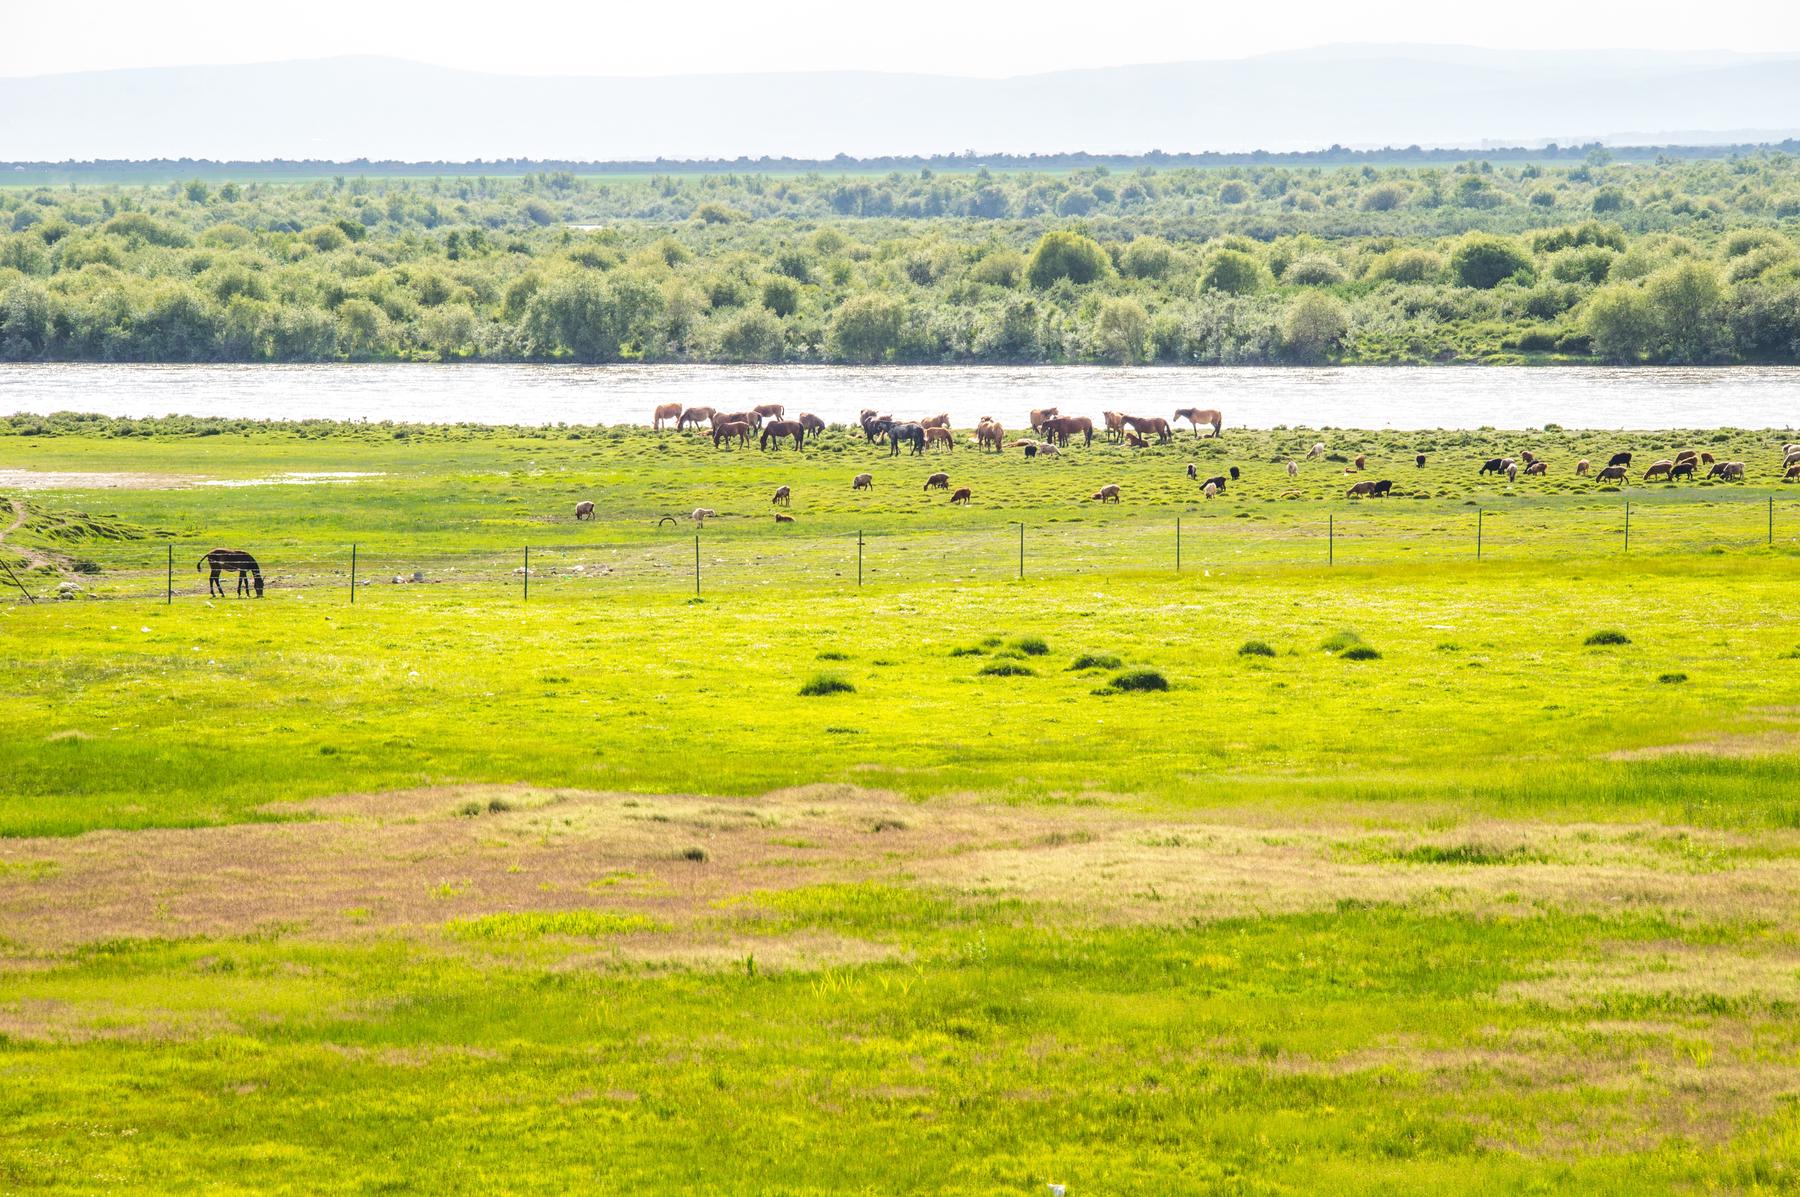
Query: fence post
[353,575]
[1771,521]
[859,551]
[1177,544]
[1331,538]
[169,578]
[527,573]
[696,563]
[1021,550]
[1478,514]
[1628,525]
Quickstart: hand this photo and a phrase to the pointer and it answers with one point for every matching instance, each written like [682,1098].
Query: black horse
[227,561]
[910,433]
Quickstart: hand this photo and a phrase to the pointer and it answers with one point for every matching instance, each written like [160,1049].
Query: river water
[1366,397]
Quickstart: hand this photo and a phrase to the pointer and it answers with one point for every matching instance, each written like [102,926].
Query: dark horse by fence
[227,561]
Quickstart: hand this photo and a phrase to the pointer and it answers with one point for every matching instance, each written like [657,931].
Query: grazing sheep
[783,496]
[1527,457]
[1217,480]
[1792,474]
[1512,471]
[1209,490]
[1108,493]
[1792,456]
[1612,473]
[1318,450]
[1581,468]
[1419,461]
[1293,469]
[584,510]
[940,481]
[1727,470]
[1707,458]
[702,514]
[1359,490]
[1494,465]
[1193,471]
[1360,461]
[1659,469]
[1682,468]
[1685,455]
[1539,466]
[1233,471]
[1381,489]
[1619,459]
[863,482]
[961,496]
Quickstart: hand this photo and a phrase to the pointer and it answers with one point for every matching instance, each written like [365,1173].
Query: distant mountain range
[344,108]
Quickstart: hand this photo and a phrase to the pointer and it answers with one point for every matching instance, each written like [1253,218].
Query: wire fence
[746,556]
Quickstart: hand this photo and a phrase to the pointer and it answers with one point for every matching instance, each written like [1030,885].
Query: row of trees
[266,272]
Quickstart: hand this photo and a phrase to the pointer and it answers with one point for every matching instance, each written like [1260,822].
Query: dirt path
[33,558]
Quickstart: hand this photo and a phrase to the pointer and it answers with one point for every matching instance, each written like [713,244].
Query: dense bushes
[1697,262]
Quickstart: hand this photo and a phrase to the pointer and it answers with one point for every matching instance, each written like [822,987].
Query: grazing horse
[695,416]
[938,481]
[780,430]
[1527,457]
[770,411]
[961,496]
[1202,415]
[1153,425]
[1058,429]
[664,413]
[863,482]
[725,431]
[584,510]
[910,434]
[813,424]
[941,420]
[737,417]
[1041,415]
[783,496]
[1107,494]
[1115,425]
[991,433]
[228,561]
[936,435]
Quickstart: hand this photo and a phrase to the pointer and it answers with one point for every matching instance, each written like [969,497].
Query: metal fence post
[1021,551]
[353,575]
[859,555]
[1478,514]
[527,573]
[1331,538]
[1177,544]
[1628,525]
[696,563]
[169,578]
[1771,521]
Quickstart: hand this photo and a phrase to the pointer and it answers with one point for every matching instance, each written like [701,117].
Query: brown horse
[780,430]
[664,413]
[770,411]
[228,561]
[1058,429]
[1039,416]
[724,431]
[1202,415]
[1115,425]
[813,424]
[937,435]
[1149,425]
[941,420]
[754,419]
[991,433]
[693,415]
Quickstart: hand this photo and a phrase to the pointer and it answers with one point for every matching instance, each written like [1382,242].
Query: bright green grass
[1002,1044]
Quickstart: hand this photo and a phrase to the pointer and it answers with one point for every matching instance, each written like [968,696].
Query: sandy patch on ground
[11,479]
[410,862]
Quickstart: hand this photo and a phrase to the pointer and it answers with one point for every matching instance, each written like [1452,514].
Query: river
[1365,397]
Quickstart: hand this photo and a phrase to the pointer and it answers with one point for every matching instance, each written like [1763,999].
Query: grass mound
[973,650]
[826,683]
[1031,646]
[1337,642]
[1671,679]
[1465,854]
[1360,652]
[1140,679]
[1255,648]
[831,654]
[1007,669]
[1094,661]
[1607,636]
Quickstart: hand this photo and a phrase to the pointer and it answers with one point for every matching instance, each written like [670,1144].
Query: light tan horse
[695,416]
[770,411]
[941,420]
[664,413]
[991,433]
[1202,415]
[937,435]
[1039,415]
[1115,425]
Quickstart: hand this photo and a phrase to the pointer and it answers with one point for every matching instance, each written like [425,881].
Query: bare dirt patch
[14,479]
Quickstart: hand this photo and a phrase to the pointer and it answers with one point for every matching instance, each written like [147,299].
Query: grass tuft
[826,683]
[1607,636]
[1337,642]
[1007,669]
[1031,646]
[1094,661]
[1671,679]
[1255,648]
[1140,679]
[1360,652]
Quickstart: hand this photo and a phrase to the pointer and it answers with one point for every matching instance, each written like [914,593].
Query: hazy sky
[947,36]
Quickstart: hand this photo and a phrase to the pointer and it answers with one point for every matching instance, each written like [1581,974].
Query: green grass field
[1424,874]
